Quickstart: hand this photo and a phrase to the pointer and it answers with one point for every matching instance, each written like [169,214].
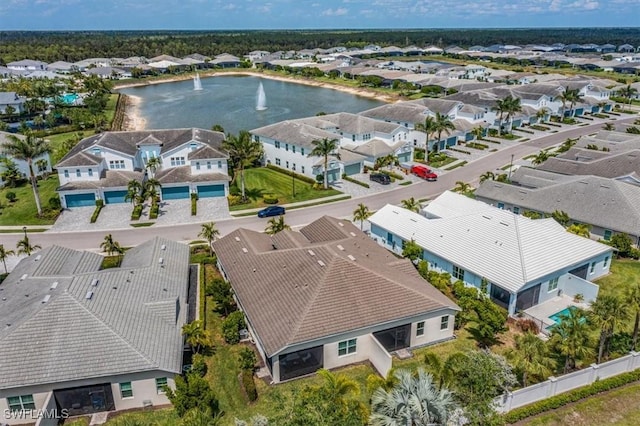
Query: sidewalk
[293,205]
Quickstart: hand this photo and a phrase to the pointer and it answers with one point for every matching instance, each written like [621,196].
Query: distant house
[27,65]
[328,296]
[101,166]
[524,262]
[226,60]
[13,100]
[94,339]
[23,166]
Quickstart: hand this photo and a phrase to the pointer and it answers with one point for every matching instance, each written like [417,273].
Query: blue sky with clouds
[313,14]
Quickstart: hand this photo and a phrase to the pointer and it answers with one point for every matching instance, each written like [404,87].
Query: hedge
[153,212]
[303,178]
[357,182]
[249,385]
[459,150]
[137,212]
[270,199]
[96,212]
[563,399]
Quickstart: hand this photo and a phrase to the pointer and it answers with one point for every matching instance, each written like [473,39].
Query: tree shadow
[254,193]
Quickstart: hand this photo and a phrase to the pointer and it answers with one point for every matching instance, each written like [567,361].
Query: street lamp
[510,167]
[293,184]
[24,229]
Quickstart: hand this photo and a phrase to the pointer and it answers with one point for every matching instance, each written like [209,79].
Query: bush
[558,401]
[236,200]
[198,366]
[194,205]
[231,327]
[248,359]
[96,212]
[528,325]
[11,196]
[249,385]
[56,204]
[153,212]
[357,182]
[303,178]
[137,212]
[270,199]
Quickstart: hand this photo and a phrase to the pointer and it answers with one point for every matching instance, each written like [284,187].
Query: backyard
[23,211]
[261,181]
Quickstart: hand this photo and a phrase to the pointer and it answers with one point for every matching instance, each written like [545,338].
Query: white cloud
[339,11]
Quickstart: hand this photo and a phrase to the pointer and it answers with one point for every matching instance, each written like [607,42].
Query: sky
[313,14]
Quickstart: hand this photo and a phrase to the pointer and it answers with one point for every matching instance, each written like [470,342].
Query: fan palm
[243,151]
[27,149]
[361,213]
[276,225]
[607,313]
[4,254]
[530,356]
[209,232]
[324,148]
[571,337]
[411,204]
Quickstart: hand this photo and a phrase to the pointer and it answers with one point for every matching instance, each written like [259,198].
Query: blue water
[231,102]
[556,317]
[69,98]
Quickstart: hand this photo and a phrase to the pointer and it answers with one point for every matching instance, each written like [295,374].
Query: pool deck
[544,310]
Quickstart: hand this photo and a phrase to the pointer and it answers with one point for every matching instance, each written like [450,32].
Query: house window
[287,164]
[177,161]
[302,151]
[116,164]
[20,403]
[347,347]
[353,138]
[593,267]
[458,273]
[277,161]
[66,173]
[501,205]
[197,165]
[553,284]
[193,146]
[161,383]
[293,148]
[516,210]
[96,151]
[607,235]
[293,167]
[90,172]
[126,391]
[302,169]
[606,262]
[78,173]
[277,144]
[219,164]
[444,322]
[286,147]
[209,165]
[420,329]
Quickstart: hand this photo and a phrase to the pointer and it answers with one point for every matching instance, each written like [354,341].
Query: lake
[231,102]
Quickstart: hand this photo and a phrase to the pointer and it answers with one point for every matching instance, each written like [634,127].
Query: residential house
[522,262]
[609,206]
[23,166]
[13,100]
[328,296]
[225,60]
[93,339]
[27,65]
[101,166]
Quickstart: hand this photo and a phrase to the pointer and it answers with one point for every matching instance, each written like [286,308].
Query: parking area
[356,190]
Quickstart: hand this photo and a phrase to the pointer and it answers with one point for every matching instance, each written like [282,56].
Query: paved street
[186,232]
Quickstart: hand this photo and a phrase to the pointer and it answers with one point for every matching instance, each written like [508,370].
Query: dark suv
[381,178]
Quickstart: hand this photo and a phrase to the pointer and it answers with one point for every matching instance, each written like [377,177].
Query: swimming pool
[556,317]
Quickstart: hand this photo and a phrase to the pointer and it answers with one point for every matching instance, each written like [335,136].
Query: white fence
[557,385]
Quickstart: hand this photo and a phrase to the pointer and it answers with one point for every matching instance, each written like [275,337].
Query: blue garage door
[175,193]
[210,191]
[333,175]
[403,157]
[80,200]
[352,169]
[112,197]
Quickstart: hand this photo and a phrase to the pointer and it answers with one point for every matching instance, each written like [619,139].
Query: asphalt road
[187,232]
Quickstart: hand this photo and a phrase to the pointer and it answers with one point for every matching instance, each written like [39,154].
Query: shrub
[527,324]
[357,182]
[11,196]
[56,204]
[96,212]
[198,366]
[249,385]
[194,196]
[231,327]
[153,212]
[137,212]
[248,359]
[303,178]
[194,205]
[235,200]
[270,199]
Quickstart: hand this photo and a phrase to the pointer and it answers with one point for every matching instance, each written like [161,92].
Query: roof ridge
[519,240]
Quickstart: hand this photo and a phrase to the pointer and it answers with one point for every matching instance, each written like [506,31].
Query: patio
[542,312]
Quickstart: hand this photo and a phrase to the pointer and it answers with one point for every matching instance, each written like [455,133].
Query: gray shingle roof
[309,288]
[293,132]
[80,159]
[131,323]
[183,174]
[597,163]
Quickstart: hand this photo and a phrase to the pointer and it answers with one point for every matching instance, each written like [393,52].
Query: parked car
[424,172]
[381,178]
[271,211]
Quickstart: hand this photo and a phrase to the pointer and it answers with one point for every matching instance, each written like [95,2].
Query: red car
[424,172]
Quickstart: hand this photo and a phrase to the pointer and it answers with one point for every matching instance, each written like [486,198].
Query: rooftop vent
[161,260]
[46,298]
[244,250]
[486,217]
[96,281]
[238,239]
[311,252]
[584,182]
[89,295]
[351,257]
[413,220]
[53,285]
[340,223]
[504,223]
[38,257]
[321,263]
[23,277]
[163,247]
[340,247]
[352,234]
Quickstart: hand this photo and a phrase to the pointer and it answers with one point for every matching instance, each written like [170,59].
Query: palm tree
[628,92]
[607,313]
[572,96]
[109,245]
[530,356]
[571,336]
[209,232]
[411,204]
[276,225]
[511,107]
[561,217]
[633,301]
[580,229]
[500,108]
[28,149]
[243,151]
[195,335]
[413,401]
[150,189]
[24,246]
[134,191]
[478,132]
[608,127]
[324,148]
[152,165]
[462,187]
[4,254]
[443,125]
[428,128]
[541,157]
[487,176]
[541,114]
[338,387]
[361,213]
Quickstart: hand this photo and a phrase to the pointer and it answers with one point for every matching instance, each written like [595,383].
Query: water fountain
[261,99]
[197,84]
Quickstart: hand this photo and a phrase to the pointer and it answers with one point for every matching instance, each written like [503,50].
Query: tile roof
[131,323]
[327,279]
[183,174]
[578,161]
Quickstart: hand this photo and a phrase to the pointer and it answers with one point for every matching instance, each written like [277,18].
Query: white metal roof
[449,204]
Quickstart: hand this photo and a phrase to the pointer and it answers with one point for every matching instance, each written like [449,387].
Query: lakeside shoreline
[134,121]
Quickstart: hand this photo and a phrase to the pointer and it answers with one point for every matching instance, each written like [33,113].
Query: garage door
[404,157]
[112,197]
[333,175]
[175,193]
[352,169]
[210,191]
[80,200]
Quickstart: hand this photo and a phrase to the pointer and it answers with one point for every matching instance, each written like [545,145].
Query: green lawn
[23,210]
[619,407]
[55,142]
[260,181]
